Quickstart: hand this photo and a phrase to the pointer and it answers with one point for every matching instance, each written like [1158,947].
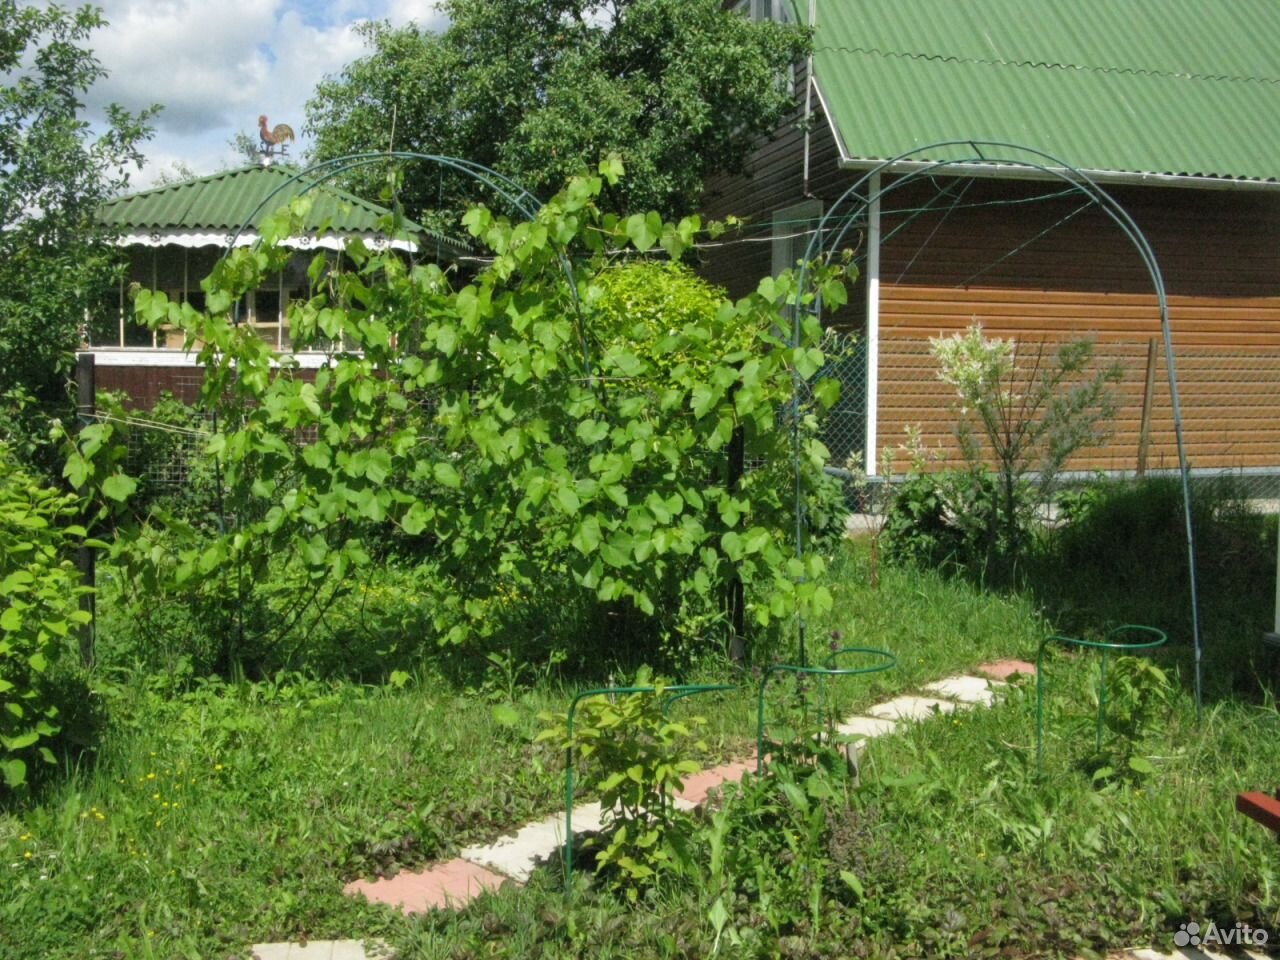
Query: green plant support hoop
[1157,639]
[885,661]
[672,693]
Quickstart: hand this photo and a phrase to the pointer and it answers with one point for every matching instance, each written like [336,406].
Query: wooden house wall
[1042,269]
[1218,252]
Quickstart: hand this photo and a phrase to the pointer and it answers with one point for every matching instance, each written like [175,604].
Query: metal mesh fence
[161,454]
[844,426]
[1230,401]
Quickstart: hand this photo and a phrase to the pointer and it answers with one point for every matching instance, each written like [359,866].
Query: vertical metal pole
[736,598]
[85,410]
[808,99]
[1148,394]
[155,284]
[873,325]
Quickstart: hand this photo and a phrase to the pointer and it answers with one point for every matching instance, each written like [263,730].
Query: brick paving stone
[1196,953]
[1181,953]
[1004,669]
[453,883]
[698,785]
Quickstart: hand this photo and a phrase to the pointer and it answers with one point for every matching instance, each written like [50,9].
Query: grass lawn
[220,815]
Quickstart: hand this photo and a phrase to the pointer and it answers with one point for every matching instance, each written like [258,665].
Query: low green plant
[776,856]
[638,758]
[949,520]
[1136,692]
[40,614]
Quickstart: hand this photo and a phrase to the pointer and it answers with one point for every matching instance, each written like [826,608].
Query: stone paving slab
[911,708]
[453,883]
[965,689]
[1195,953]
[1200,953]
[321,950]
[1004,669]
[517,855]
[867,727]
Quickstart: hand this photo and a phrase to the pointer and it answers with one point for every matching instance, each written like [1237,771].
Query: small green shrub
[1021,408]
[1136,692]
[638,758]
[39,614]
[950,519]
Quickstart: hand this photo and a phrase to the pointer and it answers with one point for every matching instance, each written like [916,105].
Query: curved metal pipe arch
[520,198]
[1048,164]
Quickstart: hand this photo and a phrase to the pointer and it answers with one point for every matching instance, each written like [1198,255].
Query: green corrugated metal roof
[1178,87]
[226,202]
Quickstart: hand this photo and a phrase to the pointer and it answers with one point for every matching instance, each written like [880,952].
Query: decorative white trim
[1015,171]
[193,239]
[845,159]
[174,358]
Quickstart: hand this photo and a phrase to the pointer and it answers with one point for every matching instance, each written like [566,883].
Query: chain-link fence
[1230,404]
[844,426]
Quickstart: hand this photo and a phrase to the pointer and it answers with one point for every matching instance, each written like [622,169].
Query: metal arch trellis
[519,197]
[838,222]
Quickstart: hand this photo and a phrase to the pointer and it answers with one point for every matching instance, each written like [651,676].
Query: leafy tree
[245,148]
[54,170]
[541,89]
[555,431]
[176,172]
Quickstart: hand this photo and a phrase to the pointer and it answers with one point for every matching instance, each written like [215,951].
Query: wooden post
[1144,432]
[1277,624]
[85,410]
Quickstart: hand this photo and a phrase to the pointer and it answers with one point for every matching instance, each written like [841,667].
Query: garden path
[512,858]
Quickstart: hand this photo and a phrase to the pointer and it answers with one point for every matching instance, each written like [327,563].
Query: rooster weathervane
[274,138]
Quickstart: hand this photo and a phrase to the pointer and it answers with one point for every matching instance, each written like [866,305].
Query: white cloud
[425,13]
[216,67]
[204,62]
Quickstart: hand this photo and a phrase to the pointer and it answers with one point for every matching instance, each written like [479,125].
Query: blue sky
[216,66]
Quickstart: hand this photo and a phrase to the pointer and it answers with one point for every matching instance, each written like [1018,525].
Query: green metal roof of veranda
[1155,88]
[208,211]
